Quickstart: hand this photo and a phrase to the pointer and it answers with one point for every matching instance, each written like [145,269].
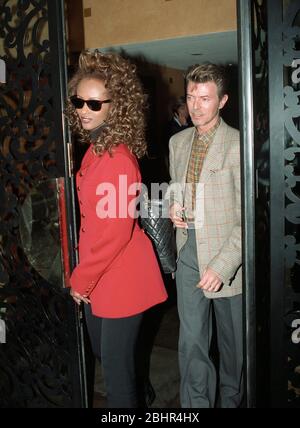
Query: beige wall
[74,15]
[114,22]
[173,80]
[169,86]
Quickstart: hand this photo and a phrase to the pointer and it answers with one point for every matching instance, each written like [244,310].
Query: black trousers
[114,344]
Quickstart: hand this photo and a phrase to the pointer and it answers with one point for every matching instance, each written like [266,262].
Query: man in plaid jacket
[205,207]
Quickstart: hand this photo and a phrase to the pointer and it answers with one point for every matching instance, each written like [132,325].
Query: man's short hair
[208,73]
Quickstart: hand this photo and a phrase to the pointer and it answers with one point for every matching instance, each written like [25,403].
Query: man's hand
[176,215]
[78,298]
[210,281]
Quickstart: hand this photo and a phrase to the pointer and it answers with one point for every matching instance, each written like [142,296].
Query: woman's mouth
[85,120]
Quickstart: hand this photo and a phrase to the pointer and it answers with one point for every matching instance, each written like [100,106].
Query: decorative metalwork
[39,364]
[283,201]
[291,113]
[276,109]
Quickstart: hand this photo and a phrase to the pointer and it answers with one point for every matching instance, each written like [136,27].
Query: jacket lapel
[215,155]
[185,153]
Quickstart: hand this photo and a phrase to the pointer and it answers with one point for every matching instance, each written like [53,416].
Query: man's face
[182,111]
[203,104]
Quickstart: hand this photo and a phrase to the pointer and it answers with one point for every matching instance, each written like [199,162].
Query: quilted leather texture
[160,230]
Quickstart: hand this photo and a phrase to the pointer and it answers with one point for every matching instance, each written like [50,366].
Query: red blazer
[117,267]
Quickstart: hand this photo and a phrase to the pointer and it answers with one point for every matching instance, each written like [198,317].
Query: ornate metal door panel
[41,352]
[270,73]
[284,92]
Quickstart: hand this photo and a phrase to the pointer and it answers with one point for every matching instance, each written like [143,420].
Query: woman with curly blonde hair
[118,276]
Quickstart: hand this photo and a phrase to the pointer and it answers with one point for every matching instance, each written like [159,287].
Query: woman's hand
[78,298]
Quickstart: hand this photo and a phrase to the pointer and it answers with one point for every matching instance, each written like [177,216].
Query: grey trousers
[198,373]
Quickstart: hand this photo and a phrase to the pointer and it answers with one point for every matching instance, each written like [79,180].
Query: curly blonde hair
[126,118]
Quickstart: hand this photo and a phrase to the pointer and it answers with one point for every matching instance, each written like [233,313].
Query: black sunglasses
[94,105]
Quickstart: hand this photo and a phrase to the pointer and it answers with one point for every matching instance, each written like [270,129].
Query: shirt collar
[211,132]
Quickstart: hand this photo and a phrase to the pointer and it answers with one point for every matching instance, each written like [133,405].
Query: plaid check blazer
[218,237]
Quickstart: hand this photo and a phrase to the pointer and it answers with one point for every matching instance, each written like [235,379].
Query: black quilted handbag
[158,226]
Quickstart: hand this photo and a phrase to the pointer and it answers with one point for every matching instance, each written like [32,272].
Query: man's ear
[223,101]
